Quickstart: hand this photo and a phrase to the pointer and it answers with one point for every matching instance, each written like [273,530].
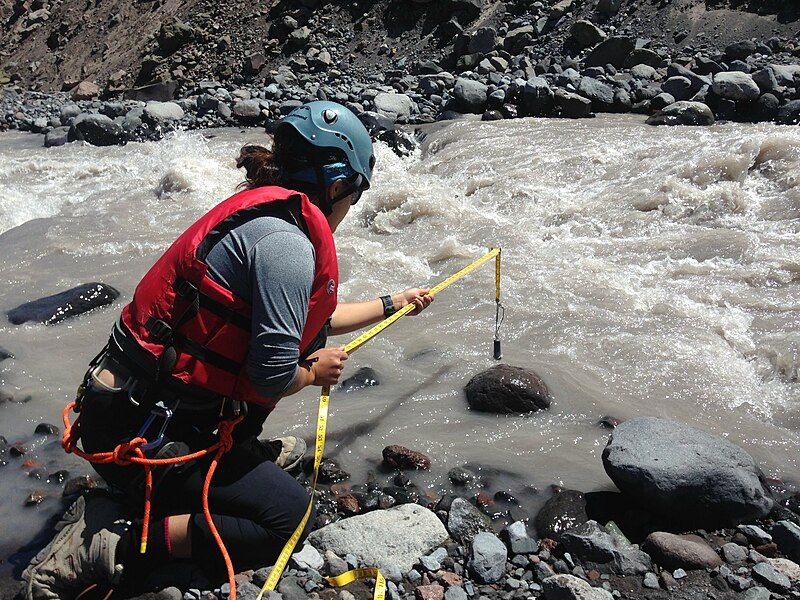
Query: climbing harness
[322,424]
[133,451]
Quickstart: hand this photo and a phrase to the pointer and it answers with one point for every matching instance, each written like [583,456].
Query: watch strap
[388,306]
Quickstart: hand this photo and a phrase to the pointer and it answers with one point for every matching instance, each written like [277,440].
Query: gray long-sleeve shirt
[269,262]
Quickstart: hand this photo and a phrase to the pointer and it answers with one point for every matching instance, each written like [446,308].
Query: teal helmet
[329,126]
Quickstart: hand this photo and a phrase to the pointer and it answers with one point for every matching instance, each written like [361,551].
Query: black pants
[255,505]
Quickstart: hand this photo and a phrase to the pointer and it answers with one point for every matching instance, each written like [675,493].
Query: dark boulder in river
[507,389]
[684,112]
[364,377]
[4,354]
[563,511]
[98,130]
[687,475]
[55,308]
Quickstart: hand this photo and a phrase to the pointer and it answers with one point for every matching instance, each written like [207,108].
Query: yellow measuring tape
[322,425]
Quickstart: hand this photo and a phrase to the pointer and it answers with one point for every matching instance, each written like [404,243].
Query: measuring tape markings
[322,423]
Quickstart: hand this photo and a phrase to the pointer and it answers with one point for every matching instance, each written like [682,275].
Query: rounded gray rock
[488,557]
[676,470]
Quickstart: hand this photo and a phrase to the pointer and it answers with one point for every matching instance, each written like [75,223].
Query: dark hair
[290,153]
[260,165]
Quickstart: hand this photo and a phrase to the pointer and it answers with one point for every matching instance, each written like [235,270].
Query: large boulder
[569,587]
[397,536]
[643,56]
[562,511]
[163,91]
[470,95]
[537,97]
[162,112]
[173,35]
[571,105]
[482,41]
[680,551]
[600,94]
[396,107]
[586,34]
[518,38]
[736,86]
[684,112]
[507,389]
[789,113]
[98,130]
[612,51]
[591,542]
[787,535]
[686,474]
[786,74]
[55,308]
[247,110]
[85,90]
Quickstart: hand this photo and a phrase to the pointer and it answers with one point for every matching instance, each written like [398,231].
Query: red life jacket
[177,305]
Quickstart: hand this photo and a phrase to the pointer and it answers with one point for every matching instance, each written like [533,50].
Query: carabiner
[159,410]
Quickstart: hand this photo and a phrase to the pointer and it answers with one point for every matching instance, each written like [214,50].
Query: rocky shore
[693,517]
[563,59]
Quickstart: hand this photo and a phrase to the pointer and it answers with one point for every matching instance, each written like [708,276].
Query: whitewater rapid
[647,271]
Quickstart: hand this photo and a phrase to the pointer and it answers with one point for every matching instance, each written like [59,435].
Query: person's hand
[327,365]
[418,296]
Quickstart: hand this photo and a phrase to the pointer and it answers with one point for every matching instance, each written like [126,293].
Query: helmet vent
[344,139]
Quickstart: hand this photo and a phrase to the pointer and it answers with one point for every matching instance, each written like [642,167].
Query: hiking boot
[81,554]
[293,449]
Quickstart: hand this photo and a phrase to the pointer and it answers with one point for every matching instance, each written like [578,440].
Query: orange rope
[130,452]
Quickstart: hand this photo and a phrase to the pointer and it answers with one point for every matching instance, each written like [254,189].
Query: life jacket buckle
[162,411]
[160,330]
[184,288]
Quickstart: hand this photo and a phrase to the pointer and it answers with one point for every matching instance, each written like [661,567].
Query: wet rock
[771,578]
[79,485]
[400,457]
[35,498]
[563,511]
[789,113]
[85,90]
[331,472]
[569,587]
[507,389]
[95,129]
[613,51]
[73,302]
[684,112]
[487,557]
[56,137]
[348,504]
[662,101]
[397,536]
[470,96]
[46,429]
[396,107]
[463,476]
[4,354]
[517,539]
[592,542]
[58,477]
[609,422]
[787,535]
[678,471]
[364,377]
[464,521]
[586,34]
[537,97]
[736,86]
[571,105]
[17,450]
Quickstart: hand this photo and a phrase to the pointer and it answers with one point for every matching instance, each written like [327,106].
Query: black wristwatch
[388,306]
